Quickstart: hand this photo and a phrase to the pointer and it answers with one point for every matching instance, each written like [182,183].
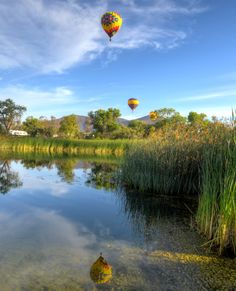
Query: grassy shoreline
[62,146]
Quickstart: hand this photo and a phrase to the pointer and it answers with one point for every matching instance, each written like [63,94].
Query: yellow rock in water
[101,271]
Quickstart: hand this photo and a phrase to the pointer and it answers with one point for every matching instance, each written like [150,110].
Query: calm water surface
[57,216]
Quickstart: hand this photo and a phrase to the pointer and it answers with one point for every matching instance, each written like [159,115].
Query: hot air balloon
[111,23]
[133,103]
[153,115]
[101,271]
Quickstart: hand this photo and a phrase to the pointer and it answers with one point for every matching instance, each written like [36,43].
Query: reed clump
[216,215]
[186,161]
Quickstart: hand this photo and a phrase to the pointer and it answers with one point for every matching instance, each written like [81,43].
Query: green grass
[170,169]
[62,146]
[205,167]
[216,215]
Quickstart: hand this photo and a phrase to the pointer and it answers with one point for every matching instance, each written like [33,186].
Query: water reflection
[102,176]
[8,179]
[54,226]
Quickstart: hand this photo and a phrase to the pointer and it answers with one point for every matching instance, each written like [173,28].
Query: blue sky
[56,60]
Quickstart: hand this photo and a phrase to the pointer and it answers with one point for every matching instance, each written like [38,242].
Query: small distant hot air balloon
[101,271]
[153,115]
[111,23]
[133,103]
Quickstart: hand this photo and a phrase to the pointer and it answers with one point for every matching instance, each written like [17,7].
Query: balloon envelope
[133,103]
[153,115]
[101,271]
[111,23]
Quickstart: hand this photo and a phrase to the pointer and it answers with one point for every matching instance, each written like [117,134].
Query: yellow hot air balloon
[111,23]
[133,103]
[153,115]
[101,271]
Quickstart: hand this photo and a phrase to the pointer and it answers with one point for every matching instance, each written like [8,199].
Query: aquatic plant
[216,215]
[185,161]
[63,146]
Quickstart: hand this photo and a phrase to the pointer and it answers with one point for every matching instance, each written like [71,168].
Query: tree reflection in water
[8,178]
[102,176]
[33,163]
[66,169]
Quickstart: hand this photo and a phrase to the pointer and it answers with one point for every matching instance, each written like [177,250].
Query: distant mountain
[123,121]
[146,119]
[81,120]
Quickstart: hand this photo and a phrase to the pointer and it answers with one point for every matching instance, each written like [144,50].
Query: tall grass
[191,161]
[216,215]
[170,169]
[62,146]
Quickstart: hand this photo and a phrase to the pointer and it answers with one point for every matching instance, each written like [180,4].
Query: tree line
[100,123]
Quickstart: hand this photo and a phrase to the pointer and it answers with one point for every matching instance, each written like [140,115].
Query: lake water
[57,216]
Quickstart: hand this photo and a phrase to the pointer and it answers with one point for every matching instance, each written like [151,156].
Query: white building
[18,132]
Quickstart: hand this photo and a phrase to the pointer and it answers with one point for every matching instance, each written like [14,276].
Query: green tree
[10,113]
[169,117]
[105,121]
[33,126]
[138,126]
[195,118]
[165,113]
[69,126]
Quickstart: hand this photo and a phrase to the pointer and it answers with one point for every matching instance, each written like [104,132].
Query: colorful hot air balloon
[101,271]
[153,115]
[111,23]
[133,103]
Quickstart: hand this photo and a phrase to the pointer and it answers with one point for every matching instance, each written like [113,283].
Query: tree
[169,117]
[105,121]
[33,126]
[10,113]
[69,126]
[138,126]
[195,118]
[165,113]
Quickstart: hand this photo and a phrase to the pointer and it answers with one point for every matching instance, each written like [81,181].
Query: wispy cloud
[49,36]
[219,111]
[56,101]
[211,95]
[164,7]
[143,35]
[52,36]
[38,97]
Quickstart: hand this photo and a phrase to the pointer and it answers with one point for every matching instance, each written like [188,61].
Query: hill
[81,120]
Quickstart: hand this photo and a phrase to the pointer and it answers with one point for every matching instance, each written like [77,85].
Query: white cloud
[52,36]
[164,7]
[60,100]
[210,95]
[49,36]
[143,35]
[35,98]
[219,111]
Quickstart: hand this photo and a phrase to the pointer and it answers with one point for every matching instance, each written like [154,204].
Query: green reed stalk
[162,168]
[216,215]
